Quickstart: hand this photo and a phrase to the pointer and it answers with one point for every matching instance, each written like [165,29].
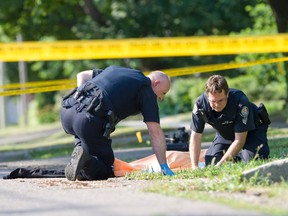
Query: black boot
[78,159]
[95,169]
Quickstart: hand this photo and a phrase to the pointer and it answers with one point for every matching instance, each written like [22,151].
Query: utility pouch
[95,103]
[263,114]
[69,94]
[67,100]
[200,113]
[110,124]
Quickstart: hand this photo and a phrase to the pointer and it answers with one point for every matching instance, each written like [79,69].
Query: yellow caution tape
[37,90]
[37,84]
[142,48]
[56,85]
[218,67]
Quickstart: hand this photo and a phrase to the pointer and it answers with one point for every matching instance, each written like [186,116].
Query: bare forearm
[159,148]
[194,149]
[158,141]
[232,151]
[235,147]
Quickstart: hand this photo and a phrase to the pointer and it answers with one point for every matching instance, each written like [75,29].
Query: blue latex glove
[166,170]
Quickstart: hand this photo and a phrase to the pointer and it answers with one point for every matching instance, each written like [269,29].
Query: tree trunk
[279,8]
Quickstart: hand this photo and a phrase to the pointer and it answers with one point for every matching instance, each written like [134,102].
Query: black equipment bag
[178,140]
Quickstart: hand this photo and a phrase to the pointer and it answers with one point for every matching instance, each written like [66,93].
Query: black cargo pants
[88,132]
[256,146]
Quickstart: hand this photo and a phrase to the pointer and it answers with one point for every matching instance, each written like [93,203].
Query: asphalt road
[114,197]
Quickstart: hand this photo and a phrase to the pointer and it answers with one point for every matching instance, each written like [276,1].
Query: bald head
[160,83]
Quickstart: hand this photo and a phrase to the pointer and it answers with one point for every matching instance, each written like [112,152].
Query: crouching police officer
[241,126]
[102,99]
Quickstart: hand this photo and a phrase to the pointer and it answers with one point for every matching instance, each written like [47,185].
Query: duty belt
[97,105]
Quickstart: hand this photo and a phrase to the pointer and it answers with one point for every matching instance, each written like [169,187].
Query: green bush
[248,84]
[255,91]
[166,107]
[181,97]
[196,89]
[48,114]
[274,91]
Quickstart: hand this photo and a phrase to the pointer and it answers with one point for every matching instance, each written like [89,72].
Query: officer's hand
[166,170]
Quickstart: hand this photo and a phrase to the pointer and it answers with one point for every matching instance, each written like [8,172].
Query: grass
[225,185]
[228,192]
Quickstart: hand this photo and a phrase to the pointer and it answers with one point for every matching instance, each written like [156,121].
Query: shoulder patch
[244,111]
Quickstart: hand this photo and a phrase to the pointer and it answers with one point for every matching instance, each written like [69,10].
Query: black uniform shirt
[129,91]
[237,116]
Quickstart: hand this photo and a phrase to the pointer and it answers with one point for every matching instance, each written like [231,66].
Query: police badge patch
[244,113]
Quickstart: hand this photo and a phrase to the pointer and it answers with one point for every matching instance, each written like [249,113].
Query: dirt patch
[119,182]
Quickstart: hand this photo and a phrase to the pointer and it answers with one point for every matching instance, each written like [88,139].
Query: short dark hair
[216,83]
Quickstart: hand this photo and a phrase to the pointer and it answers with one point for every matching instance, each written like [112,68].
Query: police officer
[241,126]
[102,99]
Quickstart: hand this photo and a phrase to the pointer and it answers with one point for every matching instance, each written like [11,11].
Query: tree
[279,8]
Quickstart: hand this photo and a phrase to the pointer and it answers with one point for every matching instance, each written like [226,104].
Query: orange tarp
[176,160]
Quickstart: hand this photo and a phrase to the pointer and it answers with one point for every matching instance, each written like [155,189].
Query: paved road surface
[61,197]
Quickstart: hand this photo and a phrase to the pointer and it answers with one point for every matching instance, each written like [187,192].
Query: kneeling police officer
[241,127]
[102,99]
